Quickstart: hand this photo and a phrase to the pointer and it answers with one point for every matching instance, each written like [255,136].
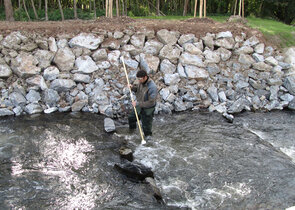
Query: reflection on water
[65,161]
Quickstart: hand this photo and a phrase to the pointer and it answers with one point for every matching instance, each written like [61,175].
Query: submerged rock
[135,171]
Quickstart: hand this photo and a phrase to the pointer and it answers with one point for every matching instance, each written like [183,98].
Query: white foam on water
[290,151]
[258,133]
[154,156]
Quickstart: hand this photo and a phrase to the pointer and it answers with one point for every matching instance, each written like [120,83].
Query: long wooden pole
[131,96]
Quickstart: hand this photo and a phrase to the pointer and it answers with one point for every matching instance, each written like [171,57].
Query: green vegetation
[274,30]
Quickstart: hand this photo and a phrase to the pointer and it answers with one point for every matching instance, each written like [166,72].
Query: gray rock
[50,110]
[167,37]
[171,79]
[211,56]
[51,73]
[152,47]
[62,84]
[44,58]
[82,78]
[137,40]
[111,44]
[227,43]
[5,112]
[167,67]
[239,105]
[15,38]
[25,65]
[259,48]
[289,83]
[212,92]
[100,55]
[33,96]
[186,38]
[194,72]
[52,44]
[192,49]
[149,63]
[85,65]
[190,59]
[37,81]
[77,106]
[228,117]
[64,59]
[292,105]
[33,108]
[252,41]
[50,97]
[170,52]
[17,99]
[109,125]
[5,71]
[87,40]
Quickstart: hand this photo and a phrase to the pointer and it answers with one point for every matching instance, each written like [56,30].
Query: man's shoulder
[151,83]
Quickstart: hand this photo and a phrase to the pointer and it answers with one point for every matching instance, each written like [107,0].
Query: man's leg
[147,121]
[132,118]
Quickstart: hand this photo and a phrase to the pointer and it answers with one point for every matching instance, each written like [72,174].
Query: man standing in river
[146,96]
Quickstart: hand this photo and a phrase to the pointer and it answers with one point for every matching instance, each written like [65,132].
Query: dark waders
[146,116]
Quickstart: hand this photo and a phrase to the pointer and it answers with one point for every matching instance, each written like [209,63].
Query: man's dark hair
[141,73]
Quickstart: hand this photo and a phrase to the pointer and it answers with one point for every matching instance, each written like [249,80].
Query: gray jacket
[146,94]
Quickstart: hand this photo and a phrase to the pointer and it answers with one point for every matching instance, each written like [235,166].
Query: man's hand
[134,103]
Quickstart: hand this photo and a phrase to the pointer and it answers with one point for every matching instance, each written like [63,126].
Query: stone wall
[221,72]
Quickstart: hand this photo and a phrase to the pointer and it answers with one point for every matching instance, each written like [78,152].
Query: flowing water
[66,161]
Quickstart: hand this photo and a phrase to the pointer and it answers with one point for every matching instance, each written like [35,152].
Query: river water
[200,161]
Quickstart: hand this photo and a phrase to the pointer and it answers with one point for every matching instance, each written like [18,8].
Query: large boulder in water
[134,171]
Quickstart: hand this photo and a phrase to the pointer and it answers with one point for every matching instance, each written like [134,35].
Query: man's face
[142,79]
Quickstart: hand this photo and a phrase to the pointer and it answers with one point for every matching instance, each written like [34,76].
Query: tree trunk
[123,8]
[185,8]
[240,8]
[94,8]
[40,5]
[75,9]
[260,8]
[34,9]
[107,8]
[205,8]
[195,9]
[158,7]
[201,8]
[126,11]
[111,8]
[25,7]
[235,7]
[8,10]
[61,11]
[117,8]
[19,4]
[46,10]
[243,9]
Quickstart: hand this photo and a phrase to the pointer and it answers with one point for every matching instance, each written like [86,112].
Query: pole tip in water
[143,142]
